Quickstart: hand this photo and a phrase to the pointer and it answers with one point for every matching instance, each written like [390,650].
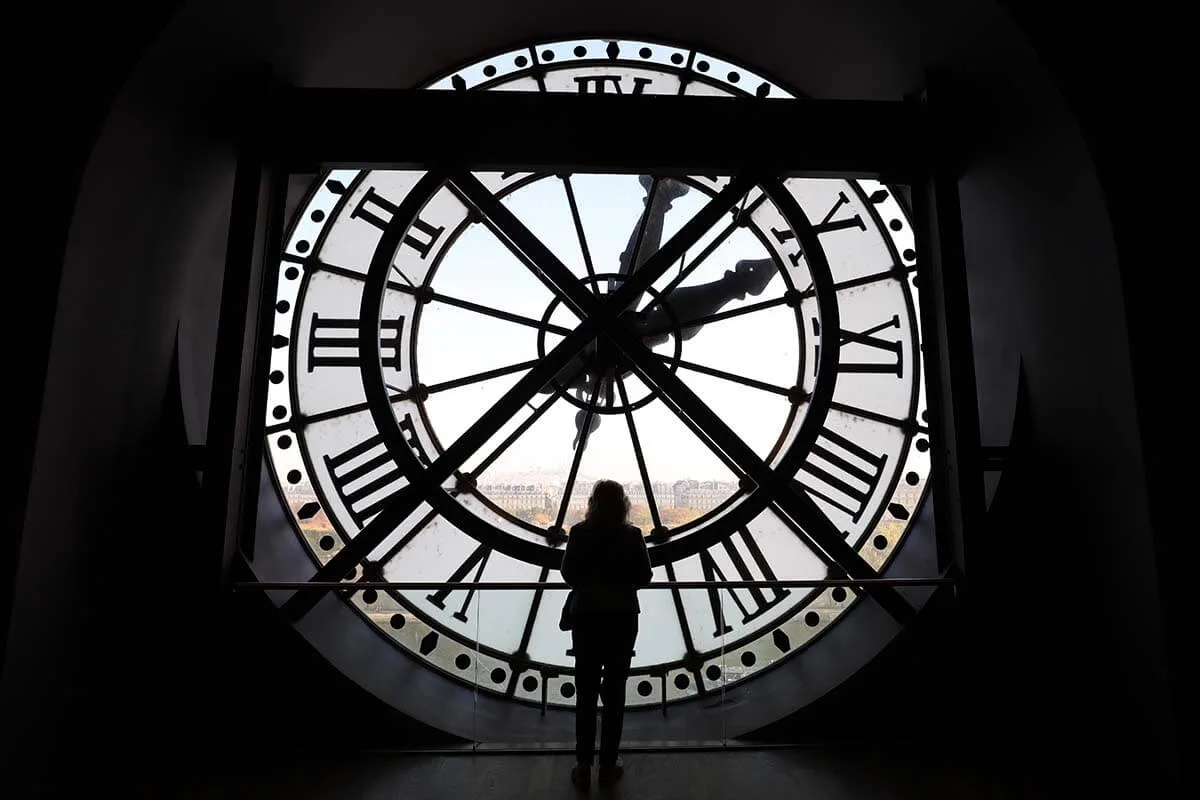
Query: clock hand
[581,416]
[644,240]
[658,201]
[646,236]
[690,303]
[687,304]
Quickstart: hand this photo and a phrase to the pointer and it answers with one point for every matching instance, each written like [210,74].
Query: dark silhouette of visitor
[605,563]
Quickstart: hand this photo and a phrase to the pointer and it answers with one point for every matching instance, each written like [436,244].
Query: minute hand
[688,306]
[646,235]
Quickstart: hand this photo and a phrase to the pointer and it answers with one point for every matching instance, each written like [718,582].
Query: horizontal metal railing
[811,583]
[815,583]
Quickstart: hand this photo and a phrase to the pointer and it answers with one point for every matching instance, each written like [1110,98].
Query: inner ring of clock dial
[722,298]
[600,361]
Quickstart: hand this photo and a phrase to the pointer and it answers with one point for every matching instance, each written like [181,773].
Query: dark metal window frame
[287,130]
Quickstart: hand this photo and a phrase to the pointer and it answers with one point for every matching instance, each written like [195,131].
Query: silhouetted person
[605,563]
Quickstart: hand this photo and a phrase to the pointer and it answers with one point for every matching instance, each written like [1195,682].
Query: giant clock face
[408,316]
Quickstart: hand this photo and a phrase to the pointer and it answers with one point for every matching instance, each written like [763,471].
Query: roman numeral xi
[827,225]
[378,211]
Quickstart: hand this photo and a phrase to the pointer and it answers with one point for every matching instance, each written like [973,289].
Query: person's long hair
[608,504]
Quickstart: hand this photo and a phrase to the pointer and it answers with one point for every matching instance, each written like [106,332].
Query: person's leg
[587,687]
[619,652]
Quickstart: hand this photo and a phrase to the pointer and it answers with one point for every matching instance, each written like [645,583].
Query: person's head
[608,504]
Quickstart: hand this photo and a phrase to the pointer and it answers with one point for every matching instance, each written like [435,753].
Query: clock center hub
[590,380]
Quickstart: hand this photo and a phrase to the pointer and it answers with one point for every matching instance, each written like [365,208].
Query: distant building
[517,497]
[664,494]
[701,495]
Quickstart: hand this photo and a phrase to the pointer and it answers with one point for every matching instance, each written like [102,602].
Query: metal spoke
[689,646]
[489,222]
[728,376]
[520,429]
[458,383]
[583,245]
[552,271]
[874,416]
[300,421]
[642,223]
[579,448]
[637,452]
[699,433]
[815,527]
[457,302]
[708,250]
[685,324]
[527,629]
[406,538]
[507,316]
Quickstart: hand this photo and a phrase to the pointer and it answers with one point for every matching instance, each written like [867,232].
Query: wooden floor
[813,774]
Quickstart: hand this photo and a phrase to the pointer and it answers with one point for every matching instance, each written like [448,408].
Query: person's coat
[605,566]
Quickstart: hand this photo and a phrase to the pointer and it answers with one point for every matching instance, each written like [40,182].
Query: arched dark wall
[1082,659]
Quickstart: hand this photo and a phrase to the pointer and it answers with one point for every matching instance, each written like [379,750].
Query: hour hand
[646,235]
[582,416]
[689,305]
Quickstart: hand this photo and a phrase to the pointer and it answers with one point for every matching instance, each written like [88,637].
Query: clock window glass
[411,307]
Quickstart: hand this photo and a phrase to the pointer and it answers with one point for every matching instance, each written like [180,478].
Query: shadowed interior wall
[1067,642]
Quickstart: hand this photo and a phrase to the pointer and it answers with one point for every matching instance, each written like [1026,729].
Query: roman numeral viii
[841,472]
[378,211]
